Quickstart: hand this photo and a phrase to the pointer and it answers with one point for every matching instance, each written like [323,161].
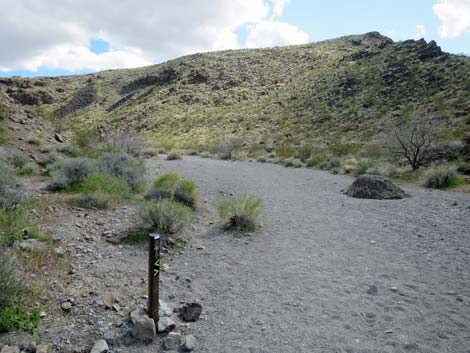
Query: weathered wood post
[154,276]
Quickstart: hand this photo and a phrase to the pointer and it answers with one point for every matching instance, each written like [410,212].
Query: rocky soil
[326,272]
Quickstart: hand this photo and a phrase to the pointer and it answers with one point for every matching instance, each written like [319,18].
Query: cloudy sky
[54,37]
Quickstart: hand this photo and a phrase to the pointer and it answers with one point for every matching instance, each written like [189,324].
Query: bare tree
[414,142]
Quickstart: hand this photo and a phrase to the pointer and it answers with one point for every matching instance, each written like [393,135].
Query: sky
[59,37]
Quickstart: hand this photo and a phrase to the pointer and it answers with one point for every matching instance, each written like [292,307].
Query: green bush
[204,154]
[5,111]
[106,184]
[172,156]
[440,178]
[241,213]
[11,286]
[171,185]
[17,318]
[165,216]
[124,167]
[27,169]
[33,141]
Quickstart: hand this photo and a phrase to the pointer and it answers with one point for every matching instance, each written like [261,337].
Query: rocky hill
[341,96]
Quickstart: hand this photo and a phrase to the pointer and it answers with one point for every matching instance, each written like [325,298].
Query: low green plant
[441,177]
[165,216]
[167,181]
[241,213]
[205,154]
[329,164]
[105,184]
[33,141]
[17,318]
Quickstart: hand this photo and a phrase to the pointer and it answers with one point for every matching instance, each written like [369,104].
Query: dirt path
[327,273]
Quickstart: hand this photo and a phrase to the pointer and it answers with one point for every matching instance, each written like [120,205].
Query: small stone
[66,306]
[451,292]
[373,242]
[459,298]
[394,289]
[189,343]
[165,267]
[100,346]
[43,348]
[172,341]
[200,247]
[59,251]
[191,312]
[373,290]
[165,324]
[388,332]
[100,223]
[59,138]
[10,349]
[110,337]
[116,307]
[42,314]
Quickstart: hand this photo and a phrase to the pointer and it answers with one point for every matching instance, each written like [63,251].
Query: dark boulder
[191,312]
[375,187]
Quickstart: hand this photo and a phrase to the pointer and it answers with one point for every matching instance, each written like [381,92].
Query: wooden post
[154,276]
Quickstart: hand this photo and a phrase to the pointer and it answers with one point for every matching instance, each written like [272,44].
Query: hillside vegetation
[337,98]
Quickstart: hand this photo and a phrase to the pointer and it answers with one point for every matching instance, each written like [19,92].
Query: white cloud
[454,16]
[275,33]
[56,33]
[420,31]
[278,7]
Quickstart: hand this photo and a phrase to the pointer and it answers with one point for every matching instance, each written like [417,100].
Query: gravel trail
[326,273]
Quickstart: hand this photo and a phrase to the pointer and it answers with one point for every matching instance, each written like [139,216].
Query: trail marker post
[154,276]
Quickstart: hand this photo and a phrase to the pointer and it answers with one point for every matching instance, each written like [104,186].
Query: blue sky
[42,42]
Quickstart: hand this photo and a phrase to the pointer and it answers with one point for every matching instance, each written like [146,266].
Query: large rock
[375,187]
[144,327]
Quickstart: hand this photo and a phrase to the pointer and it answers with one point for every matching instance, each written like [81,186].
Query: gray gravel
[326,273]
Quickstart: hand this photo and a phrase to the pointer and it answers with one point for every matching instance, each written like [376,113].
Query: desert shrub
[70,150]
[241,213]
[172,156]
[17,318]
[149,153]
[167,181]
[32,140]
[87,137]
[5,111]
[9,197]
[11,286]
[72,172]
[261,159]
[440,178]
[171,185]
[329,164]
[292,162]
[304,153]
[361,167]
[133,145]
[464,168]
[124,167]
[205,154]
[284,151]
[50,158]
[99,200]
[27,169]
[165,216]
[16,158]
